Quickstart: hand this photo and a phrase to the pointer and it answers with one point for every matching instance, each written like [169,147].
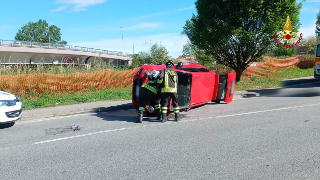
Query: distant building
[187,59]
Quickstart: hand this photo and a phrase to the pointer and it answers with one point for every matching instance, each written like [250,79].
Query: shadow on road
[7,125]
[291,88]
[129,115]
[112,108]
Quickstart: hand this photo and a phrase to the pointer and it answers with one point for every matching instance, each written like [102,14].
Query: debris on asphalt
[75,127]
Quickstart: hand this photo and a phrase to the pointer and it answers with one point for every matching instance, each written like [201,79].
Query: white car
[10,108]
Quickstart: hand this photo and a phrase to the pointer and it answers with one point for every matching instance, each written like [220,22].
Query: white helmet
[154,74]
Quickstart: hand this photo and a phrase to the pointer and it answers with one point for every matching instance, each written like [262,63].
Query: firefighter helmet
[169,63]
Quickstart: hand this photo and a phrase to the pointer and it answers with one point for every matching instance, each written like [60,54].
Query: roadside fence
[34,84]
[265,68]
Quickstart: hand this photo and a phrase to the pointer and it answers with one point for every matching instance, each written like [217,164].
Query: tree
[39,32]
[201,56]
[188,49]
[159,54]
[139,59]
[63,42]
[308,45]
[318,23]
[237,33]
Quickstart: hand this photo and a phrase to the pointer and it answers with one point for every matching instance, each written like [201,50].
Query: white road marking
[191,120]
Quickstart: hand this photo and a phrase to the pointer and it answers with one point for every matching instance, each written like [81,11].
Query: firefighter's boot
[140,116]
[177,117]
[164,117]
[158,115]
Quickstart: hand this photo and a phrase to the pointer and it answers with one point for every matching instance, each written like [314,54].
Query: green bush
[281,57]
[307,57]
[281,51]
[219,68]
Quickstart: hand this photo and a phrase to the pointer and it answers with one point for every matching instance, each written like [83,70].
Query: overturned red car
[196,86]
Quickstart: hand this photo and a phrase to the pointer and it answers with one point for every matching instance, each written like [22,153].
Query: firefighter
[149,90]
[169,82]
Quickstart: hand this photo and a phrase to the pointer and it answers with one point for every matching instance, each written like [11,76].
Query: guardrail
[31,44]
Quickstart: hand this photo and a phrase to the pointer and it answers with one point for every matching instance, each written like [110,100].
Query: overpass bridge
[26,52]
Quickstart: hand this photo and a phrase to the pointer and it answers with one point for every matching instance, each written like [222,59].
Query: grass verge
[67,98]
[276,81]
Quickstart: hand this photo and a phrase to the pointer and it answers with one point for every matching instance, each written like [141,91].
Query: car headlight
[9,102]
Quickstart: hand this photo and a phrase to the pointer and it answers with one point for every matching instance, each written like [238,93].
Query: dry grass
[269,66]
[38,83]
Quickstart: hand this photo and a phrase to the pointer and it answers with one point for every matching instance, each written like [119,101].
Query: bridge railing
[31,44]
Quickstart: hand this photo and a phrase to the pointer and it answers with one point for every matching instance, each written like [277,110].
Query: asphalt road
[269,137]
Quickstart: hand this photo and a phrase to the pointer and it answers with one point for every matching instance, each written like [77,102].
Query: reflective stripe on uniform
[176,109]
[141,109]
[166,79]
[157,106]
[173,90]
[164,109]
[150,88]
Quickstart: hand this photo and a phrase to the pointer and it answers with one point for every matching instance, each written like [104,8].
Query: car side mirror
[179,65]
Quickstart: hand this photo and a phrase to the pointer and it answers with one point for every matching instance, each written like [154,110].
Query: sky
[118,25]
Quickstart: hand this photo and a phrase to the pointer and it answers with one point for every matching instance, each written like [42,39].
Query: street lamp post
[122,38]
